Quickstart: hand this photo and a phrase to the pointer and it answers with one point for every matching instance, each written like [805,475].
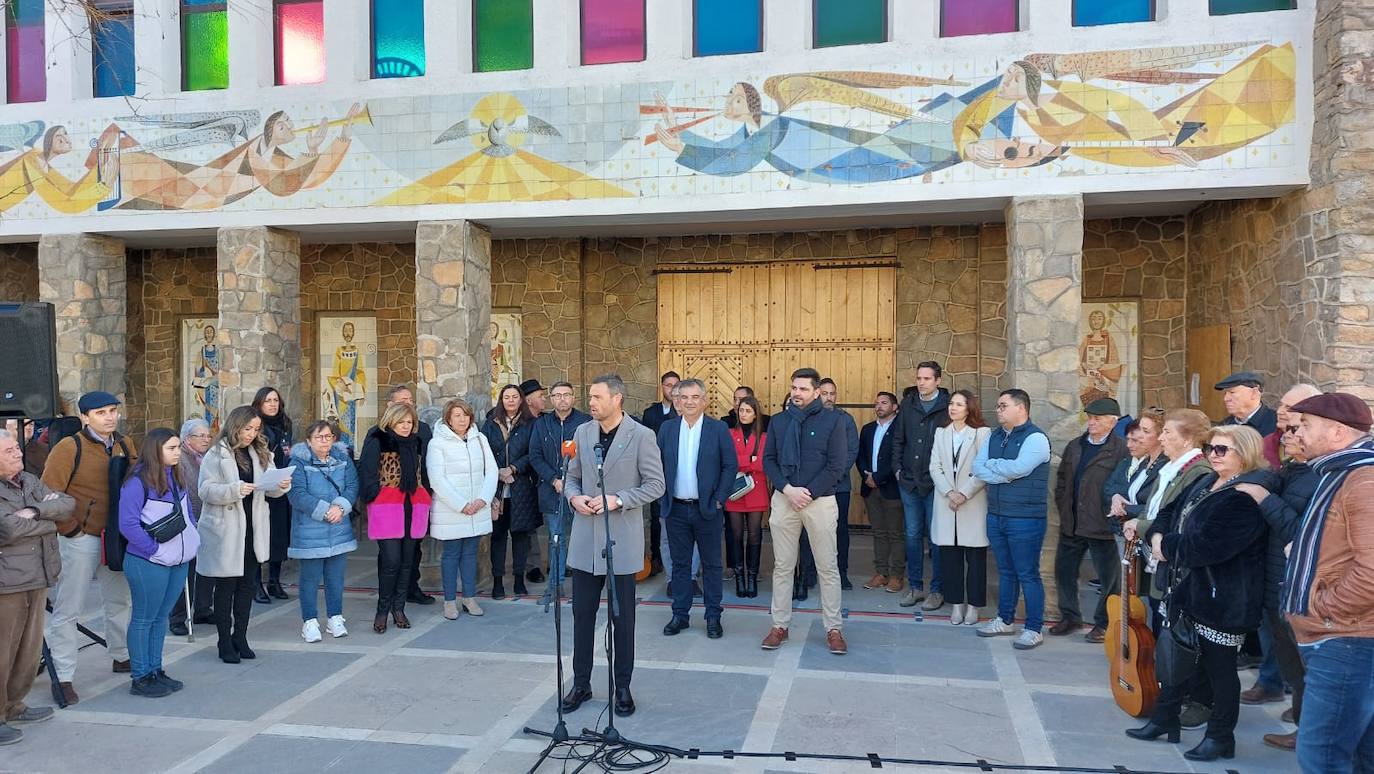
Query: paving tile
[289,755]
[929,648]
[61,746]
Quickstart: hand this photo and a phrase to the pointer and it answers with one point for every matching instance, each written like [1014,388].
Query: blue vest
[1028,497]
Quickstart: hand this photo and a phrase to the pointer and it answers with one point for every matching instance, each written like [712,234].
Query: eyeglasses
[1216,449]
[322,437]
[1292,429]
[199,435]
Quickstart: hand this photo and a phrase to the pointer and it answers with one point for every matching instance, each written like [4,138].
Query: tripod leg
[57,696]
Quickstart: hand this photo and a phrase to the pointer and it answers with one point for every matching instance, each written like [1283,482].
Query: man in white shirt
[882,495]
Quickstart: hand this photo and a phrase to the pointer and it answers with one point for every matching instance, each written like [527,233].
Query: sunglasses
[1216,449]
[1292,429]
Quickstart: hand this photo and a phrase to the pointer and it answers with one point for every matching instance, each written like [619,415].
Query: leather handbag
[1177,653]
[744,482]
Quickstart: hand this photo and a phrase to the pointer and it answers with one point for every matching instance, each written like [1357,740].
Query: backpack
[114,542]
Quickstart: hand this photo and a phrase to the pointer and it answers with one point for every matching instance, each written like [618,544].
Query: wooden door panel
[1209,361]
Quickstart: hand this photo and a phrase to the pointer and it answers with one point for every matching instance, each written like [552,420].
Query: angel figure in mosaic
[148,180]
[33,170]
[205,382]
[916,143]
[1026,117]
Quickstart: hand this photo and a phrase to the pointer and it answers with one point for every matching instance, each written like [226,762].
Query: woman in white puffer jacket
[463,472]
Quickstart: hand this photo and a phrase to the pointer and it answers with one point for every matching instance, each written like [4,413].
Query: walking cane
[190,613]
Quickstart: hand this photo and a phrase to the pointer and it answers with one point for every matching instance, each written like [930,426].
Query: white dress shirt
[878,433]
[688,447]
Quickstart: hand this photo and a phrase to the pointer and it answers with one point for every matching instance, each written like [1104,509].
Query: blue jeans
[558,553]
[460,557]
[1016,544]
[1337,706]
[332,571]
[917,510]
[153,590]
[1269,676]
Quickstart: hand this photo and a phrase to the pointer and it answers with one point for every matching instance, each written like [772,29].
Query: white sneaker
[1028,640]
[956,617]
[996,626]
[310,631]
[336,626]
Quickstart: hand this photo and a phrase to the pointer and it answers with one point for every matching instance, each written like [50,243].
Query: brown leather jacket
[1342,601]
[28,547]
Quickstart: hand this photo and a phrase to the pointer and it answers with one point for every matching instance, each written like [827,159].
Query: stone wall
[366,277]
[165,287]
[19,271]
[620,329]
[542,279]
[1145,258]
[992,313]
[1249,264]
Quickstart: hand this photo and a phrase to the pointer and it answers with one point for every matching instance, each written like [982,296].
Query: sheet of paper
[273,478]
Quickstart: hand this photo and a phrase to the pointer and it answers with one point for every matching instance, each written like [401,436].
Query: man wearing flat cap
[90,467]
[1243,395]
[1328,592]
[1087,463]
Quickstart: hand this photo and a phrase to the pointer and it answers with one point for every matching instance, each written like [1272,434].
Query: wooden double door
[752,324]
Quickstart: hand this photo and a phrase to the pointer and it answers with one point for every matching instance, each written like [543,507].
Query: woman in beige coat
[959,520]
[235,527]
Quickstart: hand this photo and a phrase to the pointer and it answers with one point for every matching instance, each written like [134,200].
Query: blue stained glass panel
[728,26]
[112,55]
[398,38]
[1091,13]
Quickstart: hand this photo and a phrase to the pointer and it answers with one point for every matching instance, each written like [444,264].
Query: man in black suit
[882,496]
[699,469]
[654,417]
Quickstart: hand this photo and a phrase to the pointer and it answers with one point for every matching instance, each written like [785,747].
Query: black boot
[740,590]
[1152,730]
[261,596]
[1210,749]
[751,563]
[227,653]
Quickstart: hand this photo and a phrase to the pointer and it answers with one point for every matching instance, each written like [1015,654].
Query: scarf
[789,450]
[408,453]
[1332,470]
[1167,474]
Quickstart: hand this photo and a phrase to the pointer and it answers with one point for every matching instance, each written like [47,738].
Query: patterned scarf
[1302,562]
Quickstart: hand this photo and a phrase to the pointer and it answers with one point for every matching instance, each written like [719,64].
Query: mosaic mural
[1213,106]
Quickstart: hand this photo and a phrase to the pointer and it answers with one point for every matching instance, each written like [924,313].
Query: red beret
[1340,407]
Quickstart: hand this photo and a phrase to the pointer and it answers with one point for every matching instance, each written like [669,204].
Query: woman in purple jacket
[155,518]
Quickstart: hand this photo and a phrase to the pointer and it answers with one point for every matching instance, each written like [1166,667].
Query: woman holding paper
[236,478]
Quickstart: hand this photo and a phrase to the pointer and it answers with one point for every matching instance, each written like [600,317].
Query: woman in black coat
[515,514]
[276,428]
[1214,546]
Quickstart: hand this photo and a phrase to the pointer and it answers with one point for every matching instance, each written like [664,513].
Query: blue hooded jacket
[315,486]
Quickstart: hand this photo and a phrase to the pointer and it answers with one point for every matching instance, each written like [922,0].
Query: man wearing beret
[1243,395]
[1088,462]
[1329,586]
[80,466]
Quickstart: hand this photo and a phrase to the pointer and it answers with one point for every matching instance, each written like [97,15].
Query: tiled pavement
[455,696]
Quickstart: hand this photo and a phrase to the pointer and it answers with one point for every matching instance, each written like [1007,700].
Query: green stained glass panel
[849,22]
[205,56]
[503,35]
[1224,7]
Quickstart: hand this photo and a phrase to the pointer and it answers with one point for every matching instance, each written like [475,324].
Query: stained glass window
[24,51]
[848,22]
[204,45]
[977,17]
[503,35]
[1090,13]
[300,41]
[398,38]
[727,27]
[612,31]
[1224,7]
[112,47]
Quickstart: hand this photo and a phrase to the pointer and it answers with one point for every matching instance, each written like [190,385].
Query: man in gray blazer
[633,474]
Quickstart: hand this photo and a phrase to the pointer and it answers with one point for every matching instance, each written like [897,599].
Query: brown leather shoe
[776,637]
[1098,634]
[122,667]
[69,693]
[1282,741]
[895,584]
[876,582]
[1065,626]
[1288,716]
[835,641]
[1257,695]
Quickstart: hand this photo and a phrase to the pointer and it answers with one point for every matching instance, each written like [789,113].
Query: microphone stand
[611,735]
[559,735]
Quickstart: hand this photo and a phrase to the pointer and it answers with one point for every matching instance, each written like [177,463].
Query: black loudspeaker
[28,360]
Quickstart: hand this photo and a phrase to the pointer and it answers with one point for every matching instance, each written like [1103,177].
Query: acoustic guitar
[1130,644]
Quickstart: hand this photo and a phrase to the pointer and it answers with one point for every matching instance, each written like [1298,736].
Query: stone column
[1044,296]
[85,277]
[259,272]
[452,317]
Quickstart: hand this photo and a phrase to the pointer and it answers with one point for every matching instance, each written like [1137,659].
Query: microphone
[599,454]
[569,449]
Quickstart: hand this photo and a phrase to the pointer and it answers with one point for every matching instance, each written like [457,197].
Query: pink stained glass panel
[612,31]
[977,17]
[300,42]
[25,76]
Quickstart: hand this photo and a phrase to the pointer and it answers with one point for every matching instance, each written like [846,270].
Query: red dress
[750,459]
